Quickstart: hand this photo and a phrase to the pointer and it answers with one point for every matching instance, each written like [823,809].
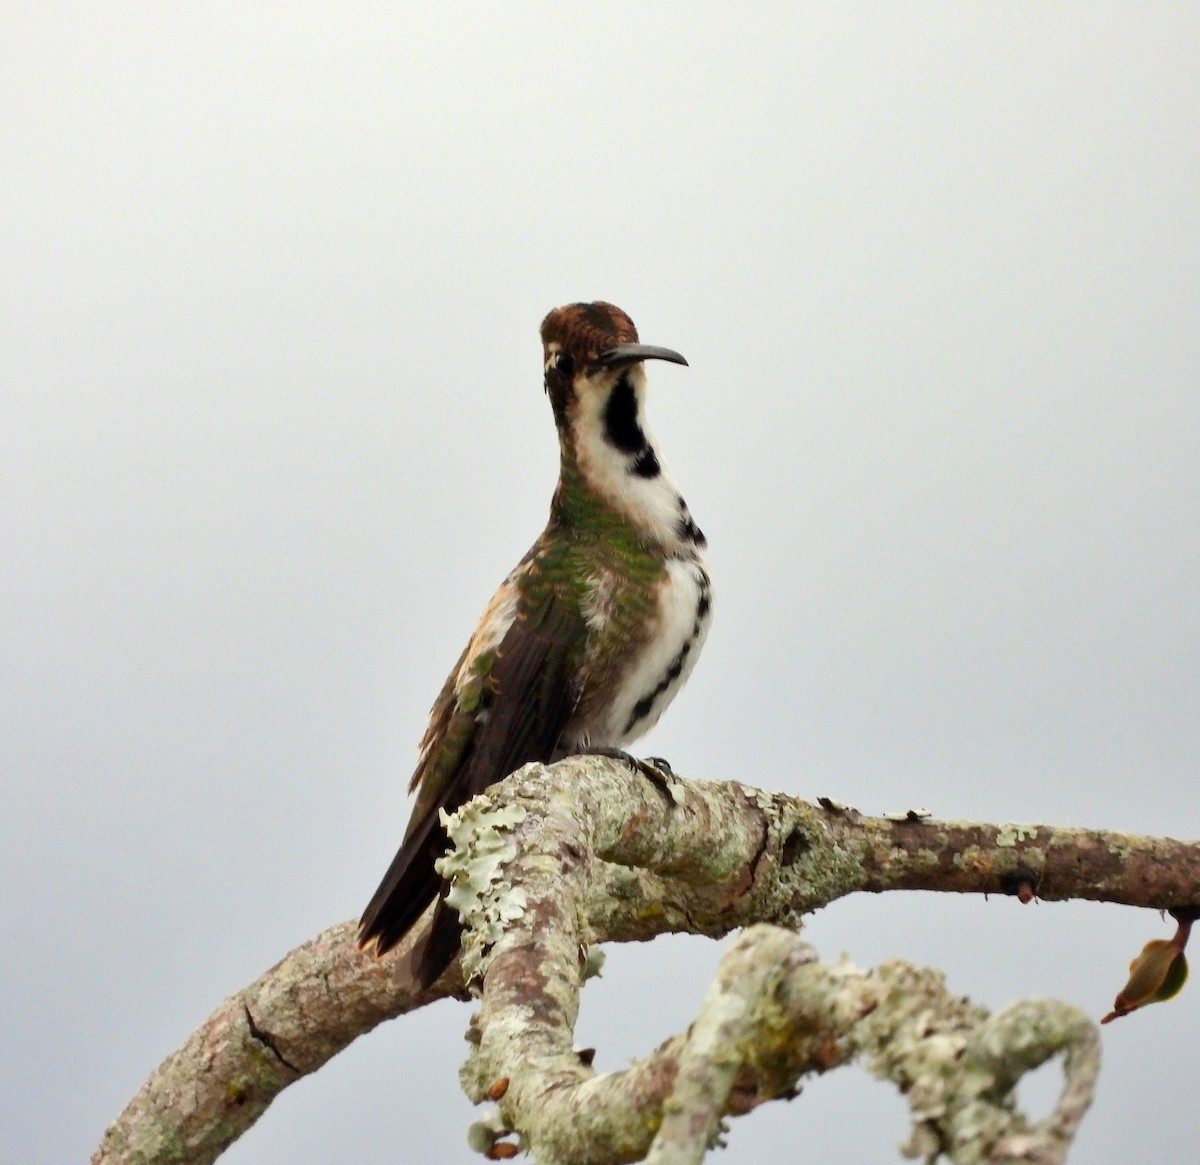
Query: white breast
[664,664]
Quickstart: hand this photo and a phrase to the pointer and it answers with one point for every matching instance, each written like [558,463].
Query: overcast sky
[274,430]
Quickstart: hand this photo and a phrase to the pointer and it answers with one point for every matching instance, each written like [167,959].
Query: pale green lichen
[832,806]
[1010,834]
[767,802]
[485,902]
[485,1131]
[958,1067]
[593,964]
[909,816]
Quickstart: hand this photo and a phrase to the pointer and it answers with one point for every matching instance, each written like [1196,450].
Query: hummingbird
[590,636]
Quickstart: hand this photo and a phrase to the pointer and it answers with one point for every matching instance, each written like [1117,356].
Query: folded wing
[516,714]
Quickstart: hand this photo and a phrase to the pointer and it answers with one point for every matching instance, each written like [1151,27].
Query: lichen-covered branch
[284,1025]
[593,851]
[957,1067]
[743,1027]
[768,1017]
[774,1015]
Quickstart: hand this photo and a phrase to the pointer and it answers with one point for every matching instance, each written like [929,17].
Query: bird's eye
[562,364]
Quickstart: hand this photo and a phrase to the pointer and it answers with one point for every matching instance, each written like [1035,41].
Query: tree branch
[678,856]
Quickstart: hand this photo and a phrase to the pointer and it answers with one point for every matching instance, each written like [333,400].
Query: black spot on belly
[641,710]
[674,670]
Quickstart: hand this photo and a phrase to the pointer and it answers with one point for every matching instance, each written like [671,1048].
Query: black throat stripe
[622,431]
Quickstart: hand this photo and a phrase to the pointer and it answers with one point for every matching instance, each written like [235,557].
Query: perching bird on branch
[590,637]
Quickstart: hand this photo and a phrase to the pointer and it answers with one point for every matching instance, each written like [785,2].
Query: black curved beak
[620,354]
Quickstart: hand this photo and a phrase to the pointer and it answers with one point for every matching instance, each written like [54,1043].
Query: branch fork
[587,851]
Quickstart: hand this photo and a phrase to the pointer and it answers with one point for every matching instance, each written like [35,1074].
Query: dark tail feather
[439,946]
[405,893]
[409,886]
[533,694]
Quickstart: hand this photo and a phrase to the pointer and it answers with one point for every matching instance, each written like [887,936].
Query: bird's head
[587,349]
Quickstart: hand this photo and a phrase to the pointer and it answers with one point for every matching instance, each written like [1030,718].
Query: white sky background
[274,430]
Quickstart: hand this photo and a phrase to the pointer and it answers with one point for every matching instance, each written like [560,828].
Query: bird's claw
[653,768]
[660,774]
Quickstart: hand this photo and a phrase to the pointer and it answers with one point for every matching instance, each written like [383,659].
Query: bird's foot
[654,768]
[659,772]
